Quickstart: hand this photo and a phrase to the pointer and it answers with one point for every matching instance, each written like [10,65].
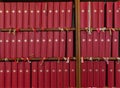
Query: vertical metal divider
[78,65]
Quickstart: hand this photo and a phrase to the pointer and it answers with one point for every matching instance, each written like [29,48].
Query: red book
[102,44]
[69,14]
[2,75]
[53,74]
[115,46]
[50,14]
[38,14]
[109,14]
[32,15]
[2,15]
[70,41]
[108,44]
[7,44]
[95,44]
[21,76]
[13,46]
[50,44]
[8,74]
[14,74]
[95,14]
[56,44]
[62,44]
[96,74]
[62,14]
[25,15]
[44,15]
[102,73]
[117,74]
[19,16]
[2,45]
[56,14]
[27,75]
[101,13]
[84,75]
[83,44]
[37,44]
[19,44]
[43,44]
[31,44]
[72,74]
[34,75]
[47,74]
[13,14]
[41,75]
[110,74]
[25,45]
[66,74]
[90,74]
[60,74]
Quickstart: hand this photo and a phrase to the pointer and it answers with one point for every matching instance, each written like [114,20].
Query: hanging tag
[42,61]
[90,59]
[82,60]
[28,60]
[68,60]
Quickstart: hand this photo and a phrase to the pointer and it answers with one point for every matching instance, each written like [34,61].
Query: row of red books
[57,44]
[40,15]
[50,74]
[99,44]
[100,14]
[100,74]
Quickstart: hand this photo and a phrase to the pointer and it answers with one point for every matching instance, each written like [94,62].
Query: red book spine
[31,44]
[25,45]
[32,15]
[2,45]
[2,75]
[101,14]
[117,74]
[37,44]
[2,15]
[53,74]
[14,74]
[13,14]
[21,75]
[50,44]
[8,75]
[20,12]
[50,14]
[25,15]
[72,74]
[44,15]
[27,75]
[56,14]
[34,75]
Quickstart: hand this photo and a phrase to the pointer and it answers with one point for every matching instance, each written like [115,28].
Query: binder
[26,15]
[13,14]
[50,44]
[34,75]
[2,74]
[19,44]
[44,15]
[27,75]
[53,74]
[2,45]
[8,74]
[7,15]
[31,44]
[117,74]
[37,44]
[47,74]
[21,76]
[32,15]
[14,74]
[56,51]
[110,74]
[50,14]
[72,74]
[25,45]
[2,15]
[56,14]
[19,17]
